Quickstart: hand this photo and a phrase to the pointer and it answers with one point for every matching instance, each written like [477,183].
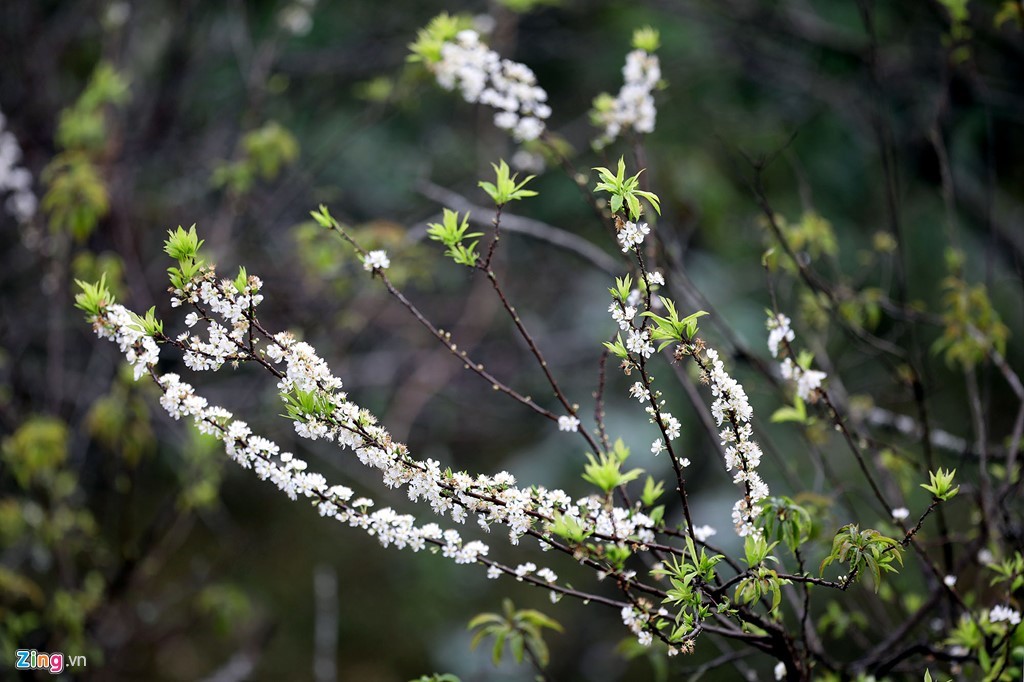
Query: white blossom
[568,423]
[633,108]
[1003,613]
[742,454]
[482,76]
[632,235]
[639,342]
[15,180]
[778,332]
[376,260]
[702,533]
[780,335]
[223,336]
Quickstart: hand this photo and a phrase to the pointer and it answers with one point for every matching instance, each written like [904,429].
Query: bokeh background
[125,537]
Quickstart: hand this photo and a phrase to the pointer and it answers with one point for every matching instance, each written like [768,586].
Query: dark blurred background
[127,538]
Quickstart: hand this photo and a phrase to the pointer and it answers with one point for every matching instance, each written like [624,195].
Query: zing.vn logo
[30,659]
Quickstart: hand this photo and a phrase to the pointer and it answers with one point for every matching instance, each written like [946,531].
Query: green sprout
[520,629]
[505,189]
[941,486]
[625,191]
[452,233]
[606,471]
[94,297]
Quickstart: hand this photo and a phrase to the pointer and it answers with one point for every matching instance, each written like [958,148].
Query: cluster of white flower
[568,423]
[807,380]
[702,533]
[623,315]
[483,76]
[631,235]
[283,469]
[326,413]
[638,620]
[1004,613]
[376,259]
[290,475]
[15,179]
[637,624]
[118,325]
[226,300]
[633,108]
[639,391]
[639,342]
[321,410]
[672,428]
[778,331]
[741,452]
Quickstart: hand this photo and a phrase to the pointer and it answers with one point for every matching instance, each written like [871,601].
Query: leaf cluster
[519,629]
[568,528]
[505,188]
[941,484]
[94,297]
[670,328]
[972,326]
[605,472]
[264,152]
[301,405]
[76,196]
[625,191]
[148,324]
[1009,571]
[429,40]
[183,246]
[866,550]
[647,39]
[452,232]
[786,521]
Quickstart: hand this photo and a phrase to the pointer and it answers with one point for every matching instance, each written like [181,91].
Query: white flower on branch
[483,77]
[632,235]
[779,331]
[780,336]
[639,342]
[633,108]
[376,260]
[742,454]
[568,423]
[702,533]
[1003,613]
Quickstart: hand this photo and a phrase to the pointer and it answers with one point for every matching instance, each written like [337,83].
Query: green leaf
[796,413]
[499,646]
[604,472]
[646,39]
[506,188]
[94,297]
